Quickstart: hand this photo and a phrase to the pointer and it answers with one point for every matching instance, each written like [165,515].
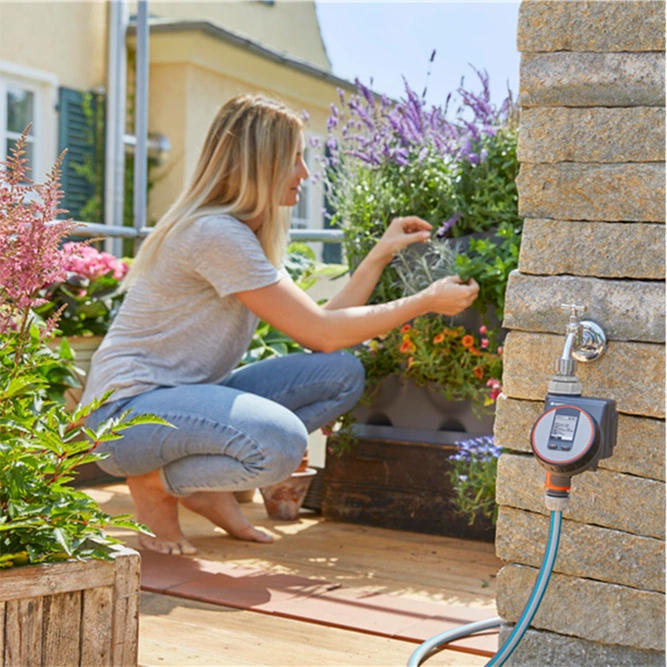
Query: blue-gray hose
[522,624]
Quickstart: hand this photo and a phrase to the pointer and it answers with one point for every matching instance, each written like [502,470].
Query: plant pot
[71,613]
[283,500]
[404,404]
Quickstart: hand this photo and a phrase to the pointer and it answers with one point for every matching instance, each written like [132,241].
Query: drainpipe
[114,161]
[141,119]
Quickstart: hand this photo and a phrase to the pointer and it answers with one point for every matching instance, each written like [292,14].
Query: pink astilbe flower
[31,255]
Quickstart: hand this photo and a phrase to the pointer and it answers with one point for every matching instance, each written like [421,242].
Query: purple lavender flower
[447,225]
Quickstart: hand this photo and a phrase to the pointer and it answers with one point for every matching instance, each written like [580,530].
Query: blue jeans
[249,431]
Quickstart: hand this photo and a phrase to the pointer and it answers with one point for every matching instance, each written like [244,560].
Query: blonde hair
[243,170]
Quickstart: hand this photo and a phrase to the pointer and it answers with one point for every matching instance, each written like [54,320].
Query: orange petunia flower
[468,341]
[406,346]
[438,339]
[479,372]
[405,328]
[475,352]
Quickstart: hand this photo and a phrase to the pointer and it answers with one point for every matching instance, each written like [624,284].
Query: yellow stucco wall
[286,25]
[67,39]
[192,75]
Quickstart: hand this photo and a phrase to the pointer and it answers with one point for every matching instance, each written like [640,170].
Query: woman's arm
[284,306]
[400,233]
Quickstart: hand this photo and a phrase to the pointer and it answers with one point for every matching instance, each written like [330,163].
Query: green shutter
[77,135]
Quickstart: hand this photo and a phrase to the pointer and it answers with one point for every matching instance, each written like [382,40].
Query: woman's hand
[450,295]
[401,233]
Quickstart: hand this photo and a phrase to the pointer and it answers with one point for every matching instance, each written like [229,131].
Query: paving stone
[603,249]
[629,192]
[631,373]
[566,79]
[635,134]
[628,310]
[539,648]
[609,499]
[587,551]
[545,25]
[602,612]
[640,448]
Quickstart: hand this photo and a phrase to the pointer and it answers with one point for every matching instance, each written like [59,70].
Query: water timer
[574,433]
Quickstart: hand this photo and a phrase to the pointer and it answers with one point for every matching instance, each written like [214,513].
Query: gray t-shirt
[185,325]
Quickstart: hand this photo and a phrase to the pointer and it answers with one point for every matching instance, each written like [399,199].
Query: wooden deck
[410,568]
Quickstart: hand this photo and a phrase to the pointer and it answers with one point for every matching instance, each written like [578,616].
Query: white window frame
[313,193]
[44,86]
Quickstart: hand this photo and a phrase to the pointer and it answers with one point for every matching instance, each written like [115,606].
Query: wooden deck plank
[179,631]
[380,560]
[184,632]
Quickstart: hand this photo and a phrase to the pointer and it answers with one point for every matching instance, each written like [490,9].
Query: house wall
[592,192]
[192,75]
[286,26]
[66,39]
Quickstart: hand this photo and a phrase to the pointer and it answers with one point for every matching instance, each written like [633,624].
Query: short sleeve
[227,254]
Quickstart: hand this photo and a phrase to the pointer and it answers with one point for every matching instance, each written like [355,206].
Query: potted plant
[68,595]
[435,379]
[86,300]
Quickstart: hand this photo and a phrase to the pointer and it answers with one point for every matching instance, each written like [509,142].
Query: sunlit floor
[409,566]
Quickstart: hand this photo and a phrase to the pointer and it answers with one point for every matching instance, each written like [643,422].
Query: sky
[387,39]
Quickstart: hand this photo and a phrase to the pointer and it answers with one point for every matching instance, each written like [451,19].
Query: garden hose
[522,624]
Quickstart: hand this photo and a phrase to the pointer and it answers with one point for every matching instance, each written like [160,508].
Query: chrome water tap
[584,341]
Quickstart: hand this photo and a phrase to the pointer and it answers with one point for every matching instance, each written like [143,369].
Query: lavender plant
[390,158]
[42,518]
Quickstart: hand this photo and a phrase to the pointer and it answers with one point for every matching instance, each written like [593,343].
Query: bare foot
[159,511]
[223,510]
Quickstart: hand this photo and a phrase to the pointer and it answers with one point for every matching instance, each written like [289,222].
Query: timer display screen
[564,427]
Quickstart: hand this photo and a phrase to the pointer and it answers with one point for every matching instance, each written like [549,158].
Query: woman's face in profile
[299,173]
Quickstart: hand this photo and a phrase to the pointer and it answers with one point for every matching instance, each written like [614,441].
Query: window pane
[29,153]
[20,110]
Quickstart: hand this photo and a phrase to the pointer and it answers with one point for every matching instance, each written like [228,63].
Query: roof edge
[229,36]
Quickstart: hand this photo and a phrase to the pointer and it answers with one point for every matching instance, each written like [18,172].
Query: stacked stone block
[592,194]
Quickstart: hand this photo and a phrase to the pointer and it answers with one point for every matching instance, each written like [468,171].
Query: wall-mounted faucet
[584,341]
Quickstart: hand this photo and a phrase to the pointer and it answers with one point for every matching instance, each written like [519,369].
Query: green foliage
[489,261]
[42,518]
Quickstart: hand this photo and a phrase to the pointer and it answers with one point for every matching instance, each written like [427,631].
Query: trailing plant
[473,478]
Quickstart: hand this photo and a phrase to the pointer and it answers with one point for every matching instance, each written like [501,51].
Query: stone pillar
[592,192]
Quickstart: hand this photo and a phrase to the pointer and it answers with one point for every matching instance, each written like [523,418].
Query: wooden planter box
[71,613]
[398,483]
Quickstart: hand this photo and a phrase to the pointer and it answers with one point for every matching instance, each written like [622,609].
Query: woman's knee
[352,373]
[282,441]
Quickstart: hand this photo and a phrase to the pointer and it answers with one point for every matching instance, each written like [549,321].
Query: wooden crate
[397,484]
[71,613]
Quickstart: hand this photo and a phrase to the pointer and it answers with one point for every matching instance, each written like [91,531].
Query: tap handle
[574,310]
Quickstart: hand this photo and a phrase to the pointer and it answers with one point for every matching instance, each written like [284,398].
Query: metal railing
[95,229]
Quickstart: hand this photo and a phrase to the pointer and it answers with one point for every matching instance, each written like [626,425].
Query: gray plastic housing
[603,411]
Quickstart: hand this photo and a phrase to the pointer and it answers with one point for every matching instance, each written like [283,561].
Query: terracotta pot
[283,500]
